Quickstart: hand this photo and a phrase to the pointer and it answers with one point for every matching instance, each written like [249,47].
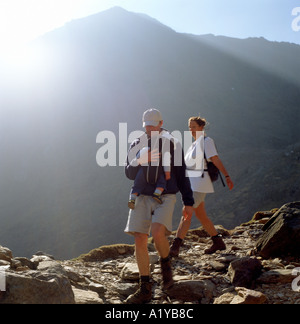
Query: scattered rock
[243,272]
[24,262]
[5,254]
[99,289]
[130,272]
[247,296]
[192,290]
[264,214]
[37,288]
[108,275]
[218,266]
[277,276]
[86,297]
[281,235]
[40,253]
[107,252]
[224,299]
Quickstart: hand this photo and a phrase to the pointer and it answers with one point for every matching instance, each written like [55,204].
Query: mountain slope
[106,69]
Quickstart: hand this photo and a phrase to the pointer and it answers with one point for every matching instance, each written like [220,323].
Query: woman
[201,185]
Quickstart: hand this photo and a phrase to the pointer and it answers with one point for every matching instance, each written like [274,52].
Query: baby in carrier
[157,174]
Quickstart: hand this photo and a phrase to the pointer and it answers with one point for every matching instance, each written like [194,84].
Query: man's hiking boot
[167,274]
[157,198]
[142,295]
[218,245]
[174,250]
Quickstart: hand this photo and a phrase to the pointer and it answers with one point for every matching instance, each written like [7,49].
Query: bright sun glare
[23,20]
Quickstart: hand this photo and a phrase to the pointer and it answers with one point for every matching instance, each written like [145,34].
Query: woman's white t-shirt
[199,183]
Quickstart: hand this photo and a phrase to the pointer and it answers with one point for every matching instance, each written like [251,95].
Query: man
[148,215]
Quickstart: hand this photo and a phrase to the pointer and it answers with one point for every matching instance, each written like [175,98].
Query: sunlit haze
[24,20]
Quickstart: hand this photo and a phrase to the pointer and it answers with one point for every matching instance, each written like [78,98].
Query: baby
[155,174]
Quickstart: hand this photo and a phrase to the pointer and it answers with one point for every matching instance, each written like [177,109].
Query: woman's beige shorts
[148,211]
[199,197]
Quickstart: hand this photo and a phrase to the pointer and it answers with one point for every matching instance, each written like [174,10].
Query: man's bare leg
[141,253]
[144,293]
[163,248]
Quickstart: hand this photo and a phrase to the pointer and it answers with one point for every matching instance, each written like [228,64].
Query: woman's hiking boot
[218,245]
[142,295]
[174,250]
[167,274]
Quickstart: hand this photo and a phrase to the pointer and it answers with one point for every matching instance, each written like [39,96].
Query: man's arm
[183,183]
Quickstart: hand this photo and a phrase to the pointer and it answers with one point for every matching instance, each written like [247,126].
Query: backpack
[213,171]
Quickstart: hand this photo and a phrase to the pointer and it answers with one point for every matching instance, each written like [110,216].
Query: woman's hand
[229,182]
[218,163]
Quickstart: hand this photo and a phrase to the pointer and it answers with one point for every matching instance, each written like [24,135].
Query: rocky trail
[107,275]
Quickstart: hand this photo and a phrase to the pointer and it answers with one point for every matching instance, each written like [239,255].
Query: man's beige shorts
[148,211]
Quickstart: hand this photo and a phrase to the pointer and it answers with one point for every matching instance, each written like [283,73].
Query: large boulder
[48,285]
[281,235]
[244,271]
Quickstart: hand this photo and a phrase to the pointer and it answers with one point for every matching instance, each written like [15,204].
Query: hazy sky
[23,20]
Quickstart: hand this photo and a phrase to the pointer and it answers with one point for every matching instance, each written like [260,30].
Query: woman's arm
[219,164]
